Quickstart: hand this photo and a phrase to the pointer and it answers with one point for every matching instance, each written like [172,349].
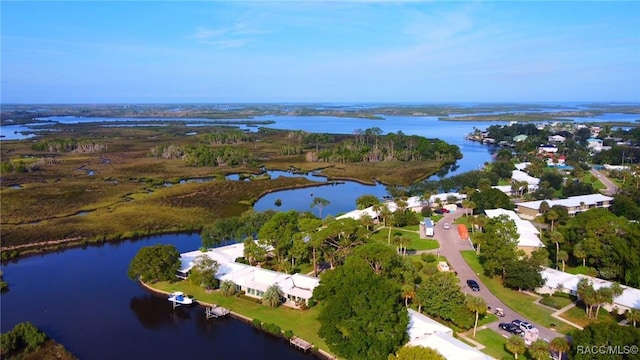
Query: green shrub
[272,329]
[312,302]
[31,335]
[9,342]
[288,334]
[429,258]
[257,323]
[549,301]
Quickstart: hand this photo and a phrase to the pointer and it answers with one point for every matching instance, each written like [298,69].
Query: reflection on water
[154,312]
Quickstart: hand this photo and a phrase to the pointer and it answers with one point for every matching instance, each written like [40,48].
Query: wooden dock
[216,311]
[300,344]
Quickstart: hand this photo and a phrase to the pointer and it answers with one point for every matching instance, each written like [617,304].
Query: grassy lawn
[588,178]
[494,343]
[520,302]
[304,324]
[557,302]
[416,243]
[577,315]
[488,318]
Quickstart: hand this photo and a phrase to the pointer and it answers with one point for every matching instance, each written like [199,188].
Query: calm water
[83,299]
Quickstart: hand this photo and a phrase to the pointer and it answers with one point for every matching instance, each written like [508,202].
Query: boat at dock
[179,298]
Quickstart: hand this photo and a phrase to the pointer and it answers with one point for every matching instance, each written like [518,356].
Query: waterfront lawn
[494,342]
[304,324]
[518,301]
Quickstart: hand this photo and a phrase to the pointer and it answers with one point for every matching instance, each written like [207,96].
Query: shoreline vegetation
[302,323]
[83,184]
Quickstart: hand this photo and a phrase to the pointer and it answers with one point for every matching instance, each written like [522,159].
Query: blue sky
[291,51]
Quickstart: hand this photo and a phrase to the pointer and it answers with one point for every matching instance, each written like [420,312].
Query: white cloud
[234,36]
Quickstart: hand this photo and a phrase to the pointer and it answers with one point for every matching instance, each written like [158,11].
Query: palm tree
[552,216]
[478,239]
[606,295]
[319,203]
[404,242]
[271,296]
[632,315]
[557,238]
[516,346]
[587,294]
[539,349]
[408,292]
[476,305]
[578,252]
[228,288]
[465,206]
[385,213]
[472,205]
[367,221]
[562,256]
[544,207]
[539,220]
[559,344]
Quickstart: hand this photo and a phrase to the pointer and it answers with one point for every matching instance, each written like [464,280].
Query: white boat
[178,297]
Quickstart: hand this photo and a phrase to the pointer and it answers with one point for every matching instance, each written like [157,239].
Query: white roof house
[557,138]
[573,204]
[528,234]
[413,203]
[426,332]
[518,175]
[556,280]
[252,279]
[522,166]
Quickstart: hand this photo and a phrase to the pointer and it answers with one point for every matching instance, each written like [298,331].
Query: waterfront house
[528,235]
[295,289]
[574,204]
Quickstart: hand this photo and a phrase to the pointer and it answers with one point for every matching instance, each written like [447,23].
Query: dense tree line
[370,146]
[204,155]
[68,145]
[228,137]
[608,243]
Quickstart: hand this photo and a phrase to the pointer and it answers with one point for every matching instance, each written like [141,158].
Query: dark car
[473,285]
[511,328]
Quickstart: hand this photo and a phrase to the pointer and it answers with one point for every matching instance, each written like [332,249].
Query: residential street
[450,247]
[611,187]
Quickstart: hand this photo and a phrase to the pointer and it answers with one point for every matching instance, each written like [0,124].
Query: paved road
[611,187]
[450,247]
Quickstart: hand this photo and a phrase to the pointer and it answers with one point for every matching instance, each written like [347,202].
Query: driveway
[450,247]
[611,187]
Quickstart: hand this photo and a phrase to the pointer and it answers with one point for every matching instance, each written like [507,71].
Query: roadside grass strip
[494,344]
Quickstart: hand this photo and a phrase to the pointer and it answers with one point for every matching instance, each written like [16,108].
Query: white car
[446,226]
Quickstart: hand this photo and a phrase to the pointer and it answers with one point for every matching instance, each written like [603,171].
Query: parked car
[473,285]
[525,326]
[446,226]
[511,328]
